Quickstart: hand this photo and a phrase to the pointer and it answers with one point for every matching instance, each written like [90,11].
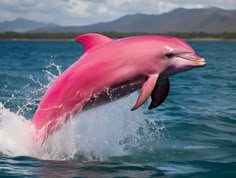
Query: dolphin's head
[178,56]
[172,55]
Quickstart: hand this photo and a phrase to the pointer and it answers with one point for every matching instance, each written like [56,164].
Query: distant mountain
[23,25]
[211,20]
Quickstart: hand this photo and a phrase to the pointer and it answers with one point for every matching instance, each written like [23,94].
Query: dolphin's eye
[170,55]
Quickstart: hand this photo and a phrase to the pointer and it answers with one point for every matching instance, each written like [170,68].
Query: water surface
[192,134]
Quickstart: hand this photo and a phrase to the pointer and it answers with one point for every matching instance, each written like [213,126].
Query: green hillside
[66,36]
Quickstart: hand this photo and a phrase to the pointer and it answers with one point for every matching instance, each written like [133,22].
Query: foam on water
[99,133]
[15,138]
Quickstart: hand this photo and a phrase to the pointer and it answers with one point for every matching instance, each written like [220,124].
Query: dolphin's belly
[115,92]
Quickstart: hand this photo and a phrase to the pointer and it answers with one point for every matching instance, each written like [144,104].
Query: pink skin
[134,62]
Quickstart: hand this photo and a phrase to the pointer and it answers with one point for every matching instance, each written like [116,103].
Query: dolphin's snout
[200,62]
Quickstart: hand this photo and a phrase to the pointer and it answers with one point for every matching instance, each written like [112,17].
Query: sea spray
[15,138]
[15,123]
[100,133]
[97,134]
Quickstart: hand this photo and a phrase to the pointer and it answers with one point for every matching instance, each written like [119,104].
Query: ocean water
[192,134]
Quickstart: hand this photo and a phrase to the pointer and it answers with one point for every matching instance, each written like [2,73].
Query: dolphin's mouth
[199,61]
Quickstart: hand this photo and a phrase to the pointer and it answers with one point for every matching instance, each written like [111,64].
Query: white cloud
[79,12]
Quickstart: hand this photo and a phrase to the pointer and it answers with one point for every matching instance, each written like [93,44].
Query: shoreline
[194,36]
[208,39]
[35,39]
[60,39]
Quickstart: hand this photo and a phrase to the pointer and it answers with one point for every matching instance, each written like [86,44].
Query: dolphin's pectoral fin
[159,93]
[146,91]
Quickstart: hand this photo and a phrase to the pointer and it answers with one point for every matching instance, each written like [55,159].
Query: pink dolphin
[110,69]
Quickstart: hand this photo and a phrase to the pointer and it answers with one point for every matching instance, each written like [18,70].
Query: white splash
[15,138]
[97,134]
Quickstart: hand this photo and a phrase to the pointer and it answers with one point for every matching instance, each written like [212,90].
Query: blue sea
[192,134]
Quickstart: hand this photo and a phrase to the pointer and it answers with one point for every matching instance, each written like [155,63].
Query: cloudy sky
[81,12]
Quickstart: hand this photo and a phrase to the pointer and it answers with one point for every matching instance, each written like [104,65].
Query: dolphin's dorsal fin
[92,40]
